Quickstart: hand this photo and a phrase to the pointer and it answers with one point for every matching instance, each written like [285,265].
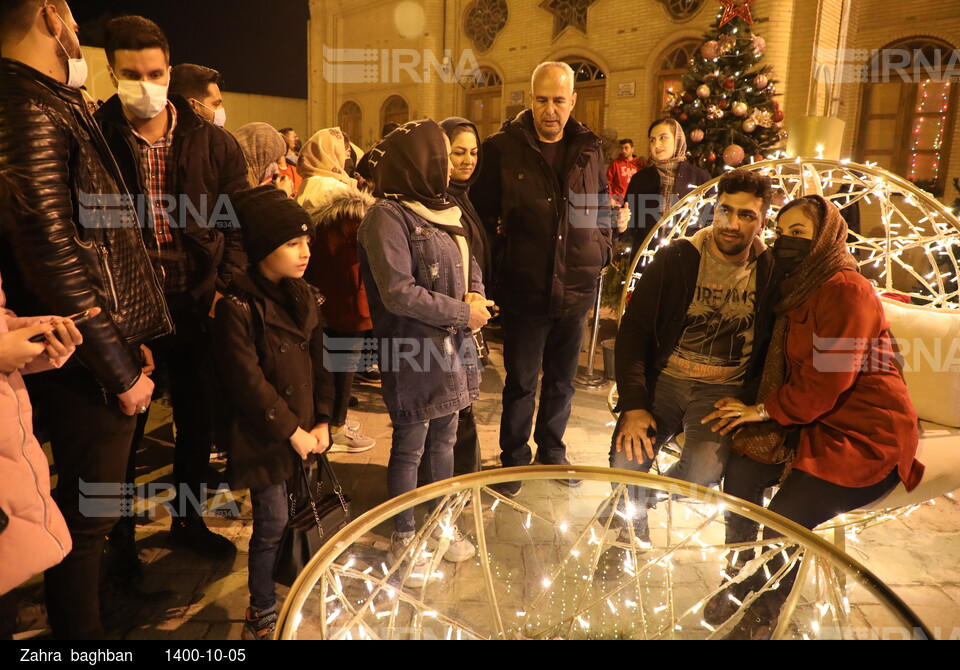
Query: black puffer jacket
[555,241]
[208,167]
[70,242]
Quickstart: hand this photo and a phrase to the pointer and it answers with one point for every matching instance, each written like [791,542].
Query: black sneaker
[572,483]
[508,489]
[192,533]
[259,625]
[371,375]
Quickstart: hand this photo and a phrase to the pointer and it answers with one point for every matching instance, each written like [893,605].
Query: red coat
[858,421]
[335,262]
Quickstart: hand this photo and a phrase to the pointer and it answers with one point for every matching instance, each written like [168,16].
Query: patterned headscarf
[412,163]
[262,146]
[668,167]
[325,155]
[828,255]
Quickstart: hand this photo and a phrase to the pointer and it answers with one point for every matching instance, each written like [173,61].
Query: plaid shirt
[166,244]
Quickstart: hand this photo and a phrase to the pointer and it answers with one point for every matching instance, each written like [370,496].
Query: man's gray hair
[560,65]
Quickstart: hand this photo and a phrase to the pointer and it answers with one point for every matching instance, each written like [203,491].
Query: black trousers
[802,498]
[90,438]
[187,358]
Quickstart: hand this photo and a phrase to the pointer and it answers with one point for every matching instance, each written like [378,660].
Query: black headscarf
[411,163]
[459,193]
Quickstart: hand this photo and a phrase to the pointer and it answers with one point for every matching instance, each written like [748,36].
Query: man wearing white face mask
[201,87]
[183,169]
[66,190]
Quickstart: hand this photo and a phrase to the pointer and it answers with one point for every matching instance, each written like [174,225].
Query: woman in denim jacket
[425,297]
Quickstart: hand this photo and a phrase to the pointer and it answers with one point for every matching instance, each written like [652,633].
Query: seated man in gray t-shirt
[694,332]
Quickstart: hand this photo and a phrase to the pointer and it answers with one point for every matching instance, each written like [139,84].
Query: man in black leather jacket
[70,244]
[183,169]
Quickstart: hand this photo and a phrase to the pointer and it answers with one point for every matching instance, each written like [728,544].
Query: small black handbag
[309,528]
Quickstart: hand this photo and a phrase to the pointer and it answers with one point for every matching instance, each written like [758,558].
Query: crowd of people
[140,238]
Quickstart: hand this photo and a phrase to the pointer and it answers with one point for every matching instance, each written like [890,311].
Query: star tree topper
[736,8]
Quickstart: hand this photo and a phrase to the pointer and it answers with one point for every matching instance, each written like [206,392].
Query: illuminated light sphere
[409,19]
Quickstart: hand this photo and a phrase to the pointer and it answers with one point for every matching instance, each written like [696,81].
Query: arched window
[483,101]
[591,89]
[669,73]
[906,118]
[395,109]
[350,120]
[681,10]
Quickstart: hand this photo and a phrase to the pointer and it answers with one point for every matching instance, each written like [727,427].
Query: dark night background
[258,47]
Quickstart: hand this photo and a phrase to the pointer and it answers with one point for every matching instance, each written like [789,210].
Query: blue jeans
[411,441]
[678,407]
[530,343]
[271,510]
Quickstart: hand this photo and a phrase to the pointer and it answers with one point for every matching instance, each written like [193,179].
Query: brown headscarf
[325,155]
[262,146]
[828,255]
[668,167]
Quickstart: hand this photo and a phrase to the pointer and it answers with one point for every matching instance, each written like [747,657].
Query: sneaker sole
[343,449]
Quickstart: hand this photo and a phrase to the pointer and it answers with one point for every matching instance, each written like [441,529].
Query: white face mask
[141,98]
[220,117]
[77,69]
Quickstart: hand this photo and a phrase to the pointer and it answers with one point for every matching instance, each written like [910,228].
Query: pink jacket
[37,536]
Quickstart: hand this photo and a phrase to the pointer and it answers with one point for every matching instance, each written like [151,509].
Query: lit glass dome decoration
[543,568]
[908,241]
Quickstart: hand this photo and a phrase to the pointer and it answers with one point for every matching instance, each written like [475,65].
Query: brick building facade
[377,60]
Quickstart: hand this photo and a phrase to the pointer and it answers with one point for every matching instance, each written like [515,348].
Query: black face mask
[790,251]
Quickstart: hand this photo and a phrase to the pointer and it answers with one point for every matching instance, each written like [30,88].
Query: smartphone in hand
[78,318]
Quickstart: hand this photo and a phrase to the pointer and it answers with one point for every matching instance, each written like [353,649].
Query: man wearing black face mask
[68,190]
[695,332]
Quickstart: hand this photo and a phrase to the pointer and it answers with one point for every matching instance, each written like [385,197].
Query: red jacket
[842,387]
[335,264]
[619,174]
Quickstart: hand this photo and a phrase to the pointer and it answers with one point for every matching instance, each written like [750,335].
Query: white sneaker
[458,548]
[352,424]
[348,440]
[421,562]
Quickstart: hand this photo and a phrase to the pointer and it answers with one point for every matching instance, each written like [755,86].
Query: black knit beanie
[268,219]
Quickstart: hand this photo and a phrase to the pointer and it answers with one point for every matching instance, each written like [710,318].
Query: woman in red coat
[830,389]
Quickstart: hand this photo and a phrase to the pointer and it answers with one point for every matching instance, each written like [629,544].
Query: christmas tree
[727,107]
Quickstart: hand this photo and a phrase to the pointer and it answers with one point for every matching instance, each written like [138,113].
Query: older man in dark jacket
[543,190]
[70,244]
[182,169]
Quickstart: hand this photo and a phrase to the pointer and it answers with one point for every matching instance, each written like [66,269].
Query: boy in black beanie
[269,354]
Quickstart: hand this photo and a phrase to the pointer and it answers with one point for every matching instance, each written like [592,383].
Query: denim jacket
[414,278]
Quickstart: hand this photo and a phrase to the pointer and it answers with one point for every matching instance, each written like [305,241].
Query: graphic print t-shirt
[717,337]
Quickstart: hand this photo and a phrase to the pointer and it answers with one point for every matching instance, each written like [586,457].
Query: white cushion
[929,341]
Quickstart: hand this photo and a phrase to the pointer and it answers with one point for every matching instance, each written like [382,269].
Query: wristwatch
[762,411]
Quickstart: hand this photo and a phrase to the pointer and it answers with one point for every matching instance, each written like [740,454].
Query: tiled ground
[918,556]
